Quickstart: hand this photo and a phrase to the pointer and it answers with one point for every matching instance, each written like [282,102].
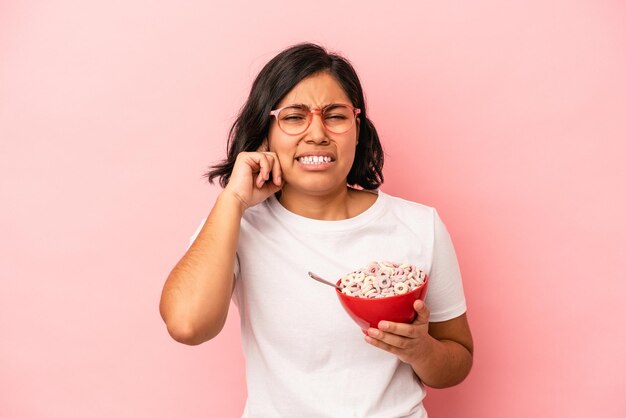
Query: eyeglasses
[296,118]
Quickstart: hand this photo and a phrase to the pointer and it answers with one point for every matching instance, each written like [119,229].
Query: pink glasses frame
[312,112]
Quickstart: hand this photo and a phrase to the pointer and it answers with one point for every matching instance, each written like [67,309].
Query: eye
[293,114]
[336,113]
[293,117]
[335,116]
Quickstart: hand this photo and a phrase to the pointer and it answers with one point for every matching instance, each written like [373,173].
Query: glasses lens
[338,118]
[293,119]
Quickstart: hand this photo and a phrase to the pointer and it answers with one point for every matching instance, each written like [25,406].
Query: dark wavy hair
[275,80]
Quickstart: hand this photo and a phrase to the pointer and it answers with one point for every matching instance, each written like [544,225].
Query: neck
[328,206]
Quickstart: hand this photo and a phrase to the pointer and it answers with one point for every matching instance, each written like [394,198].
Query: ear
[265,146]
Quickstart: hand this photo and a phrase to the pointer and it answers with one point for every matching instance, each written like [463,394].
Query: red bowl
[368,312]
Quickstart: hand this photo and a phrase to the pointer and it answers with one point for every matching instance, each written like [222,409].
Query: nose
[317,131]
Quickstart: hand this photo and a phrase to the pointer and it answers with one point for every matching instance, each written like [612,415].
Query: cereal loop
[382,279]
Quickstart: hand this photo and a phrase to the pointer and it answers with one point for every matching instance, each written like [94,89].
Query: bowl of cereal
[382,291]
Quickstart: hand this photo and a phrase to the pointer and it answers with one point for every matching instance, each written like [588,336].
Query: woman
[300,179]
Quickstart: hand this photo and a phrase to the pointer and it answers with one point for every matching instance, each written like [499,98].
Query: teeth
[314,159]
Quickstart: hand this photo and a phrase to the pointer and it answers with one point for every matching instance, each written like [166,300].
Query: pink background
[509,117]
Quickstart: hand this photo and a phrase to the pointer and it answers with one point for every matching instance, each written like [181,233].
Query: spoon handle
[319,279]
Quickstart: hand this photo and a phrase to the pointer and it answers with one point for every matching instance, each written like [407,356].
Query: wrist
[232,199]
[425,356]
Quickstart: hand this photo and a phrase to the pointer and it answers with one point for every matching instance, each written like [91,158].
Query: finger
[423,313]
[394,340]
[397,328]
[382,345]
[264,169]
[276,170]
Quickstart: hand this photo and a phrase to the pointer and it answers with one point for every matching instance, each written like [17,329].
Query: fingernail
[373,332]
[383,325]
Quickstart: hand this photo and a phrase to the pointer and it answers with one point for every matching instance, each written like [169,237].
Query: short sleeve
[444,297]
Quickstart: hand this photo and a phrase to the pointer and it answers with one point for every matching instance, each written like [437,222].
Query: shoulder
[409,216]
[404,207]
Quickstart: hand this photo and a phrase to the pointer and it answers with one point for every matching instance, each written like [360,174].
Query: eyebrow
[322,107]
[298,105]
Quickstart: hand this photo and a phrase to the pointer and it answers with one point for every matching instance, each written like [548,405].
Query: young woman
[301,194]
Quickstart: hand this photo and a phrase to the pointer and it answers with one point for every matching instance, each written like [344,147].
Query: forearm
[445,363]
[196,296]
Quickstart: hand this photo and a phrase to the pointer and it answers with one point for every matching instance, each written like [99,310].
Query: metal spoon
[319,279]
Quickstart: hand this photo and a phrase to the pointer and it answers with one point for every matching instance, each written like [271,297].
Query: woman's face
[296,153]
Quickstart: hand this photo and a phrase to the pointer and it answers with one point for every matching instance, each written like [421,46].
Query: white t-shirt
[305,357]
